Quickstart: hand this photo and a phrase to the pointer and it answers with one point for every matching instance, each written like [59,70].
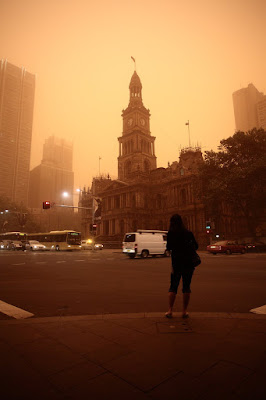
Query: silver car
[34,245]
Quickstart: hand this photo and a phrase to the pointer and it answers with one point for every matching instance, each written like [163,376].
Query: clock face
[129,121]
[142,121]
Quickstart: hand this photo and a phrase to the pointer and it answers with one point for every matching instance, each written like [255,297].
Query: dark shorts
[180,271]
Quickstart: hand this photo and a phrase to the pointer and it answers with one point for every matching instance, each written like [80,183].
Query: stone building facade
[144,196]
[150,199]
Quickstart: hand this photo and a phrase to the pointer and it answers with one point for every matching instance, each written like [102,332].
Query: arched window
[133,201]
[128,166]
[147,166]
[183,196]
[122,226]
[185,222]
[135,225]
[159,201]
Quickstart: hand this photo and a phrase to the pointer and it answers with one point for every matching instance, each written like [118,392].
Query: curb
[106,317]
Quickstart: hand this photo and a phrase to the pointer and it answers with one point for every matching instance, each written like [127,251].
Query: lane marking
[14,311]
[59,262]
[79,260]
[19,264]
[259,310]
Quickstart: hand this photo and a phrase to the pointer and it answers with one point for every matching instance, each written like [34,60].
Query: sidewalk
[134,356]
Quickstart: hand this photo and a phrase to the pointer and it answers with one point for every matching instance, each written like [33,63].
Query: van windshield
[130,238]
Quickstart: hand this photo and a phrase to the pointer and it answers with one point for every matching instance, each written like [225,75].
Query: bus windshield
[73,238]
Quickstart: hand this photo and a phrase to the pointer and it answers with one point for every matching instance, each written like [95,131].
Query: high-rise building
[17,88]
[58,152]
[246,102]
[53,179]
[261,111]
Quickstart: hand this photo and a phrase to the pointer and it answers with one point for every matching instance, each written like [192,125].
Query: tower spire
[135,88]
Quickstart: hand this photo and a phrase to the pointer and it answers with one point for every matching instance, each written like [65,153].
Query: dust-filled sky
[191,55]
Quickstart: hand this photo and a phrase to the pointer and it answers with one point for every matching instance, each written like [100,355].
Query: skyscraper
[54,176]
[261,111]
[17,88]
[245,103]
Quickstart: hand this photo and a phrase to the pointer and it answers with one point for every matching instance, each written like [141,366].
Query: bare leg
[186,298]
[171,301]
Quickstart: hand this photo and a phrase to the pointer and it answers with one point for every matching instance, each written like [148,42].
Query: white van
[144,243]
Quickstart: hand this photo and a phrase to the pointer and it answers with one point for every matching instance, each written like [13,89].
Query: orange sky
[190,57]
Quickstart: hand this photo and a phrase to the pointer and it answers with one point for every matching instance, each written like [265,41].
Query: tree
[16,217]
[236,175]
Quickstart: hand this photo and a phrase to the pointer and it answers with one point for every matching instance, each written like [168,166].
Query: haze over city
[190,58]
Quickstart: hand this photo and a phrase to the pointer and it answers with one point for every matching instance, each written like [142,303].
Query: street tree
[236,174]
[16,217]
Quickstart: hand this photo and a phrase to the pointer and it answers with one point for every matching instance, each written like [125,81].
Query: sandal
[168,315]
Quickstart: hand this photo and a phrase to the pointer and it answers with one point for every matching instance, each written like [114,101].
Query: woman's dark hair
[176,224]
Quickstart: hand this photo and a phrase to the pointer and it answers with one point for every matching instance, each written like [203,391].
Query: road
[91,282]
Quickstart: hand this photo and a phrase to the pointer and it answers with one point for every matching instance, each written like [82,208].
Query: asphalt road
[94,282]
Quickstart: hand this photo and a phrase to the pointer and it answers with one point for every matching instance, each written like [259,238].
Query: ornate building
[136,145]
[145,196]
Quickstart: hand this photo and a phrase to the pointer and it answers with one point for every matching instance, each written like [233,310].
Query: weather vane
[134,63]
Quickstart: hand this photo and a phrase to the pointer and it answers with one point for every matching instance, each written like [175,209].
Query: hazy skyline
[190,58]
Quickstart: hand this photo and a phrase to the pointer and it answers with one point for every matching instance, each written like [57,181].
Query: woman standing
[183,246]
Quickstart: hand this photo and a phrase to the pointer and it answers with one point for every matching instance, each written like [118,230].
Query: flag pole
[99,165]
[187,123]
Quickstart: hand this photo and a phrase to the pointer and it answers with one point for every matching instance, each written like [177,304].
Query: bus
[58,240]
[15,237]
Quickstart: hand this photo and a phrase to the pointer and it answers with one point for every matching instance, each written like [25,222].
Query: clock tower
[136,145]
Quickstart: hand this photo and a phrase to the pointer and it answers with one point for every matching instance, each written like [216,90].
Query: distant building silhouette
[261,111]
[17,89]
[249,108]
[54,176]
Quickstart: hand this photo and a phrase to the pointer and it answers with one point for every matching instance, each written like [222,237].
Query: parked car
[255,247]
[34,245]
[2,246]
[227,247]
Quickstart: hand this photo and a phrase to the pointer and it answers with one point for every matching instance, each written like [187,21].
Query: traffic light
[208,226]
[46,205]
[94,227]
